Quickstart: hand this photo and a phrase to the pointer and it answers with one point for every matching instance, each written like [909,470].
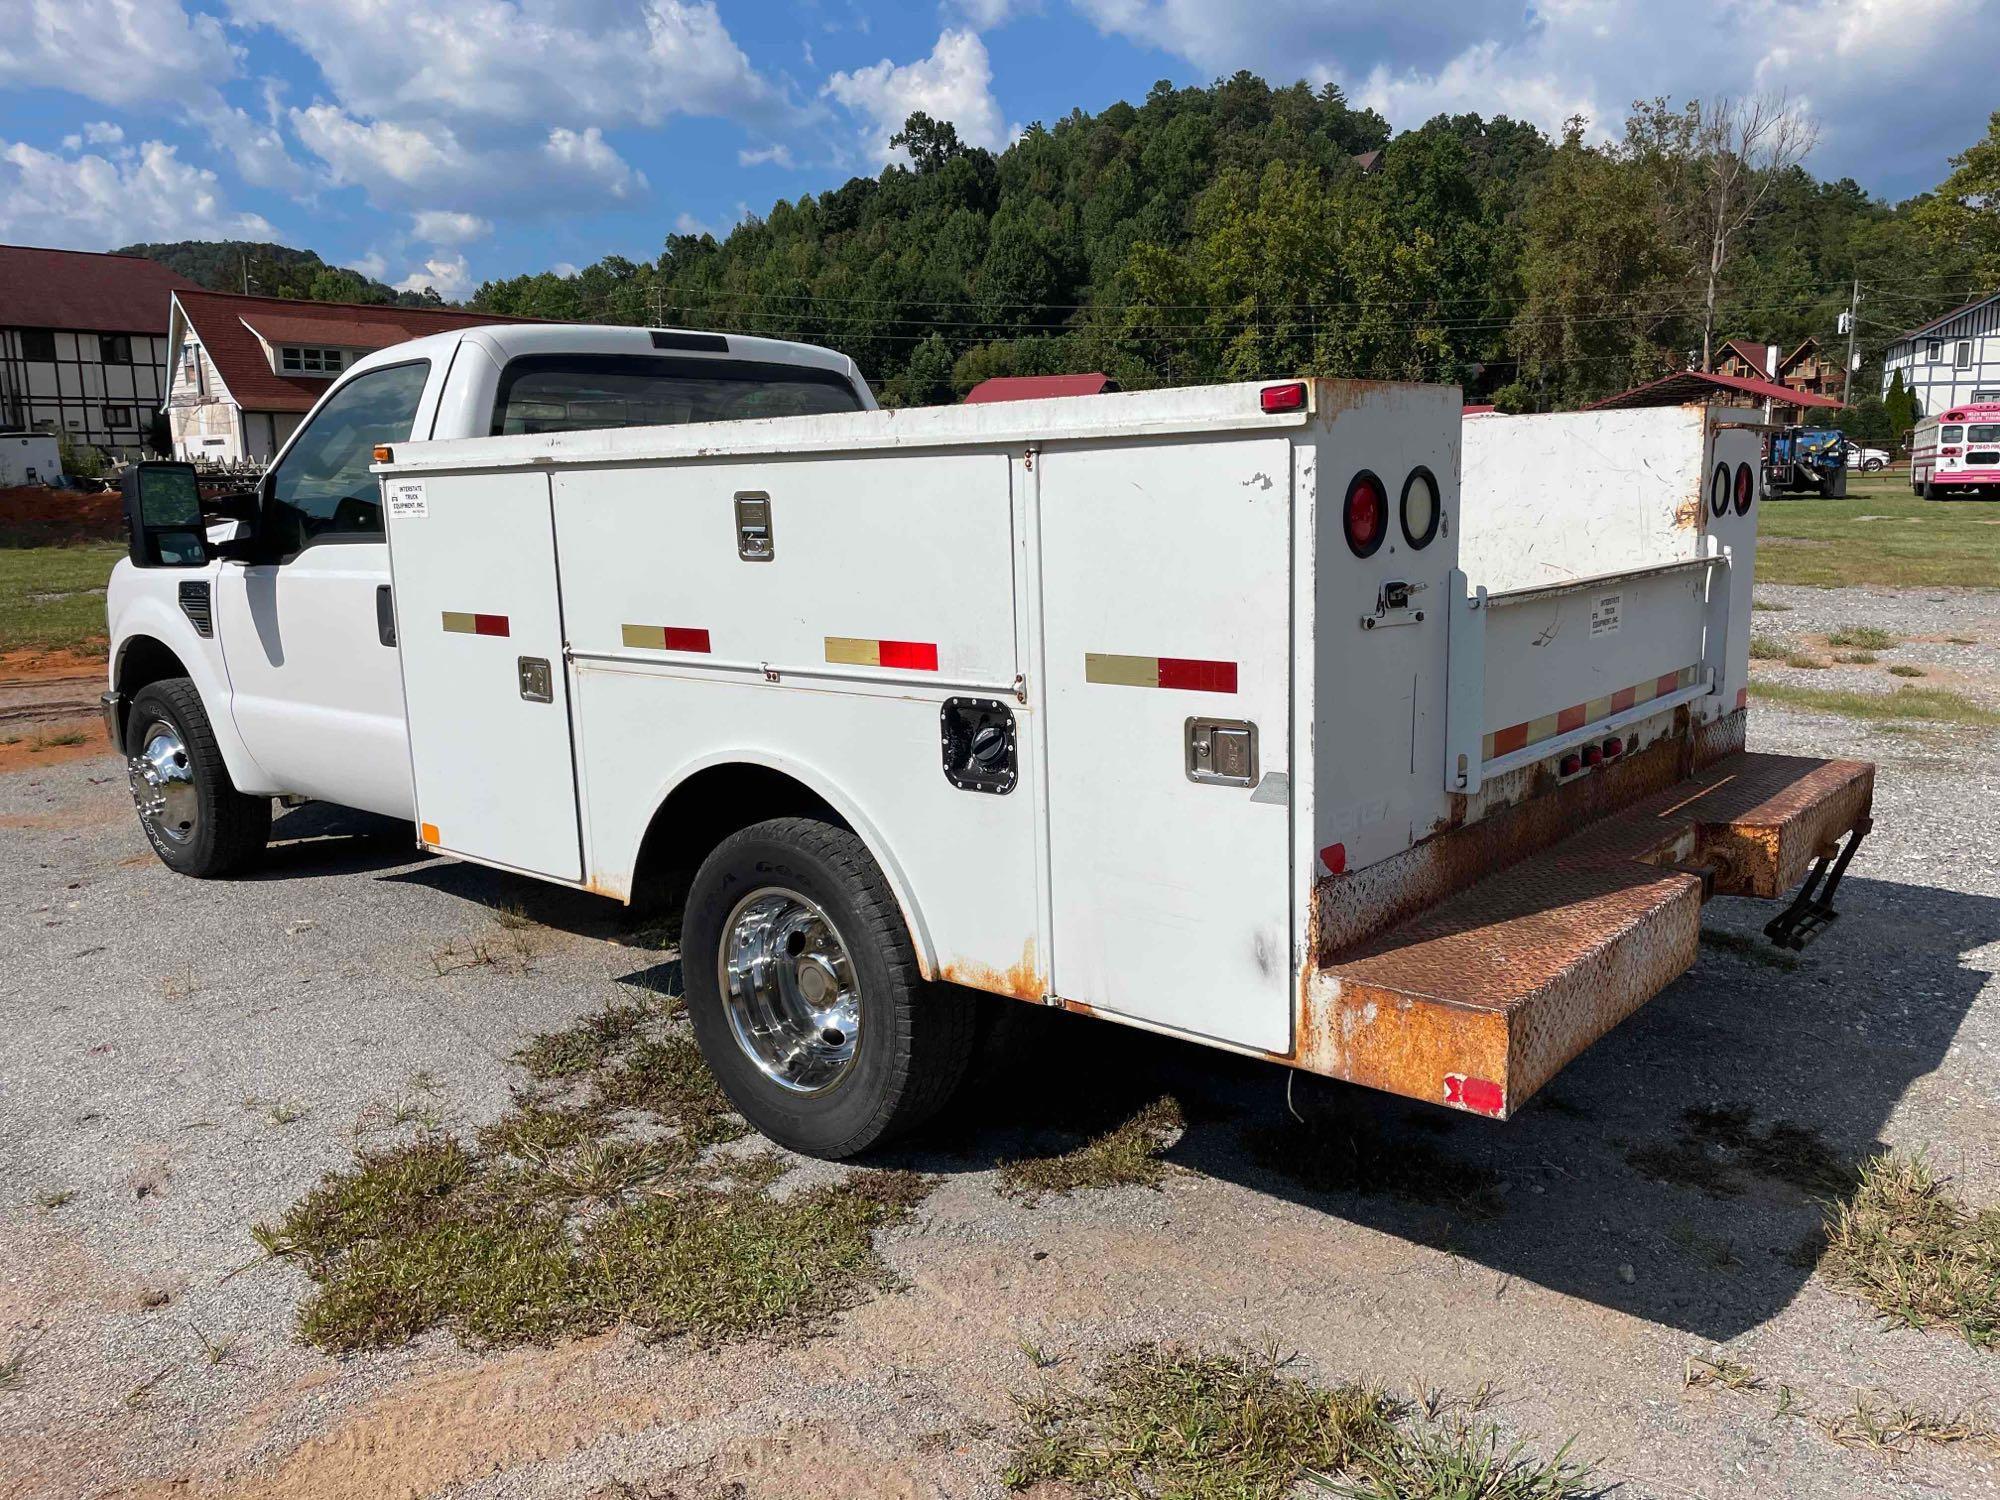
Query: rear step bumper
[1480,999]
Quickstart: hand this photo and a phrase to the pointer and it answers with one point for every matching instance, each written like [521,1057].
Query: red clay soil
[31,516]
[47,744]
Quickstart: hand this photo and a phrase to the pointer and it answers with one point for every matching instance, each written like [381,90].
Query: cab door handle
[385,616]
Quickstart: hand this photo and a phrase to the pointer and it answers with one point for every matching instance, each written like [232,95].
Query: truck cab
[283,621]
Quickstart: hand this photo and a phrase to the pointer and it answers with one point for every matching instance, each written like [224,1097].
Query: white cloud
[103,133]
[954,83]
[91,202]
[443,227]
[779,155]
[447,275]
[523,61]
[1855,61]
[256,146]
[985,15]
[584,156]
[371,265]
[563,268]
[113,51]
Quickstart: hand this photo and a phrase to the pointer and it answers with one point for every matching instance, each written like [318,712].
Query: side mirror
[163,516]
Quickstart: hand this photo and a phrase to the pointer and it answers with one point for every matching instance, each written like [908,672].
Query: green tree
[1899,408]
[1964,214]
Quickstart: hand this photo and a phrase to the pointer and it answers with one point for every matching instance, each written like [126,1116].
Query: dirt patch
[31,516]
[51,742]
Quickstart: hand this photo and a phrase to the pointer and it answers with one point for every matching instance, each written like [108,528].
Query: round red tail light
[1746,488]
[1365,515]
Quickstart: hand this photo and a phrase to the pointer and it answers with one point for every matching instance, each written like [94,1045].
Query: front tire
[805,995]
[195,819]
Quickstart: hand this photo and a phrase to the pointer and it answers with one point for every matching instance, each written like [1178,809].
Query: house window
[1961,357]
[118,416]
[115,348]
[293,360]
[38,343]
[1934,350]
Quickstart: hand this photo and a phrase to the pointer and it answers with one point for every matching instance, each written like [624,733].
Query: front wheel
[195,819]
[805,995]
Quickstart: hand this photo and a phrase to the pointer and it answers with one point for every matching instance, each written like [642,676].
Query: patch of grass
[56,1197]
[57,740]
[1887,1425]
[1934,705]
[1129,1154]
[1762,607]
[1904,669]
[11,1367]
[52,598]
[1912,1249]
[1805,661]
[1858,659]
[593,1202]
[1767,648]
[1166,1420]
[1357,1157]
[1930,544]
[1863,637]
[1960,640]
[1718,1369]
[1461,1458]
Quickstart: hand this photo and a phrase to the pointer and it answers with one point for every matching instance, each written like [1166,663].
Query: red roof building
[1038,387]
[83,350]
[1688,387]
[246,369]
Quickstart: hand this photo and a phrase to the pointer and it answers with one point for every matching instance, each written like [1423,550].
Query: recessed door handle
[385,616]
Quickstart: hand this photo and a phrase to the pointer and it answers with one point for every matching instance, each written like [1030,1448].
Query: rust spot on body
[1023,981]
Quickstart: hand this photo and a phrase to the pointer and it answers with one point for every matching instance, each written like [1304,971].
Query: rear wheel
[805,995]
[195,819]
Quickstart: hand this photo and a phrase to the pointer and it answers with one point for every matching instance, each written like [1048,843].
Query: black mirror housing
[163,516]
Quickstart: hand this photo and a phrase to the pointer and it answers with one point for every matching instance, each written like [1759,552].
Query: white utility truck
[1225,712]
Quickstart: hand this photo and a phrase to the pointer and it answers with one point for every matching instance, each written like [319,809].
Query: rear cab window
[582,392]
[1983,433]
[1952,434]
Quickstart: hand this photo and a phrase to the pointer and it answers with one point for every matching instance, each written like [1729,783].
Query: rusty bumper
[1479,998]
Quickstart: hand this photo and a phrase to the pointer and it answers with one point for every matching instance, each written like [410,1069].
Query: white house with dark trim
[1951,359]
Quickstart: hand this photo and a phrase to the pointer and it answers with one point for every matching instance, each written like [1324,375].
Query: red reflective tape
[1480,1095]
[489,624]
[911,656]
[1197,676]
[1509,739]
[1334,857]
[678,639]
[1569,718]
[1669,682]
[1623,699]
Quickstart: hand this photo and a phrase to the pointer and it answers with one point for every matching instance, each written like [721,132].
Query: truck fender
[822,786]
[143,616]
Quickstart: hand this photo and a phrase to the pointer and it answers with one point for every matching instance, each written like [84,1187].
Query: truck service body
[1226,712]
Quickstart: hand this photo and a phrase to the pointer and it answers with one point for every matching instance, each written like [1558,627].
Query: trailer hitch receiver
[1811,911]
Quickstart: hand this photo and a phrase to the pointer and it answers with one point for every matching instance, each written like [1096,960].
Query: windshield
[575,392]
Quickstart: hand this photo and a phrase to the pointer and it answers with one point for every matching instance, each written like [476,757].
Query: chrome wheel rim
[789,985]
[163,786]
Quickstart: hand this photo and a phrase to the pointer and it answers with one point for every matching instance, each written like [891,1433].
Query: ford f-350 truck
[1227,712]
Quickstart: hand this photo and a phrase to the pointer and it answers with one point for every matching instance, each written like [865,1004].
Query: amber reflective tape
[428,832]
[909,656]
[664,638]
[1548,726]
[1186,673]
[459,622]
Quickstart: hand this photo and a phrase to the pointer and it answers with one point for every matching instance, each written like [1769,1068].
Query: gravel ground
[1926,620]
[186,1059]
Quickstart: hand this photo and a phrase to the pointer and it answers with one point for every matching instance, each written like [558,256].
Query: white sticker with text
[1604,613]
[407,501]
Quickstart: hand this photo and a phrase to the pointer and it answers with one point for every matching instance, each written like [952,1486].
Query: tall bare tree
[1742,148]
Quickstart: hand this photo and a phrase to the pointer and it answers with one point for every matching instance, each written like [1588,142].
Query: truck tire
[805,994]
[195,819]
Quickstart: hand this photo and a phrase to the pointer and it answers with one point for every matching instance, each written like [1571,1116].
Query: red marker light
[1277,398]
[1334,857]
[1593,755]
[1569,765]
[1613,748]
[1365,517]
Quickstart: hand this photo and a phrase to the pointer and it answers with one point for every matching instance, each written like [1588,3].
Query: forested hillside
[1228,232]
[273,271]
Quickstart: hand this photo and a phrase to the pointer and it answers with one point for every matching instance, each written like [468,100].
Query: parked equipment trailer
[1225,712]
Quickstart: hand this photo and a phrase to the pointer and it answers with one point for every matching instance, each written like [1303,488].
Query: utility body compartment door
[480,631]
[1166,605]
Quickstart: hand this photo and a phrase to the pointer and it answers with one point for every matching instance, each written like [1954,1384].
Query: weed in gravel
[56,1197]
[1856,658]
[591,1203]
[1127,1155]
[1866,637]
[1761,606]
[12,1366]
[1960,640]
[1806,661]
[1938,705]
[1699,1370]
[1767,648]
[1358,1157]
[1904,669]
[1167,1420]
[1913,1250]
[1891,1426]
[1461,1459]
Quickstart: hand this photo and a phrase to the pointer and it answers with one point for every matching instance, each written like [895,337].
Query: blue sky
[440,142]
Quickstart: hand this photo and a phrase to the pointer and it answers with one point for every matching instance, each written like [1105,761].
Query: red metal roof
[1036,387]
[82,290]
[1751,354]
[223,322]
[1684,387]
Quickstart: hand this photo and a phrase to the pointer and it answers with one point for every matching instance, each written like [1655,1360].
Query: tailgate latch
[1393,605]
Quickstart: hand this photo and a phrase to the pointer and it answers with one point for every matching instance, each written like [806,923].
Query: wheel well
[703,811]
[143,662]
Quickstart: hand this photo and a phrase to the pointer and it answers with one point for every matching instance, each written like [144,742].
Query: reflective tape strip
[908,656]
[459,622]
[1186,673]
[664,638]
[1549,726]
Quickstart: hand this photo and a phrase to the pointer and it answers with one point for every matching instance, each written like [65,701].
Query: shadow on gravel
[321,839]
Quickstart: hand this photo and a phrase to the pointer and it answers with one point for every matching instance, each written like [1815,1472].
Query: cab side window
[322,489]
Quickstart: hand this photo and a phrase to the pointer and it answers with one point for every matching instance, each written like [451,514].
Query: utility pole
[246,271]
[1853,331]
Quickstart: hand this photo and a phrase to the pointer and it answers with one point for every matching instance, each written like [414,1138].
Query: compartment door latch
[1222,752]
